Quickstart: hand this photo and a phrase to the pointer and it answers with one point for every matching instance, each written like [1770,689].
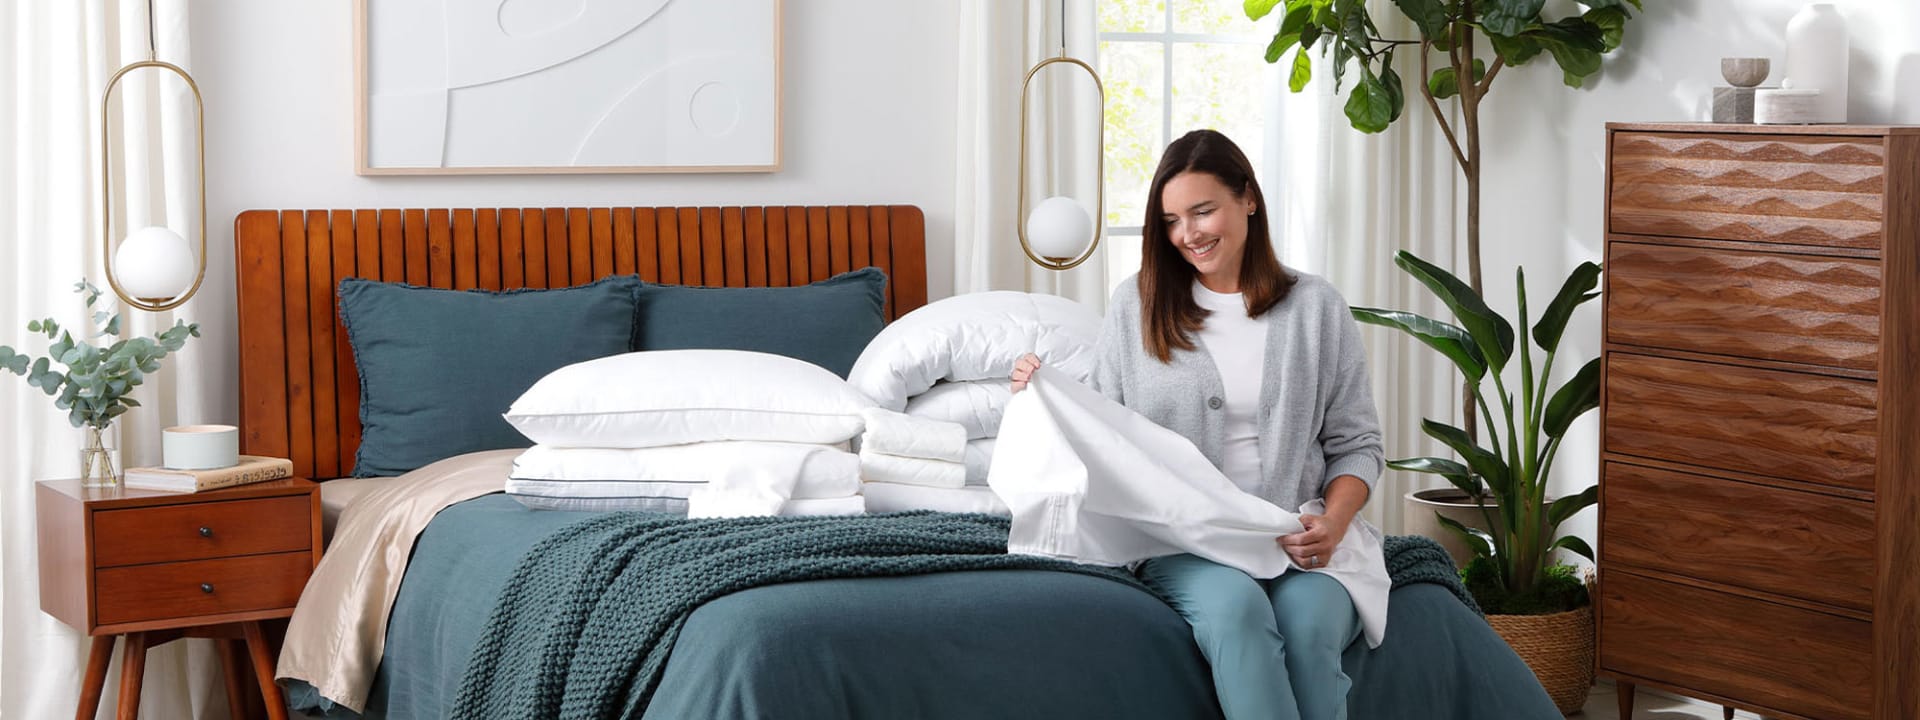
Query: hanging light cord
[153,47]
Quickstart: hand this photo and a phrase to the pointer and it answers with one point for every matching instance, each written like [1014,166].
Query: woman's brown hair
[1168,313]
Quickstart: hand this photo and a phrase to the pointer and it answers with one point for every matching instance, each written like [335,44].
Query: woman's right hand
[1023,370]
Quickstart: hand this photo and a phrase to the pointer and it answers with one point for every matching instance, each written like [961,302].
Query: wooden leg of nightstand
[1624,691]
[233,660]
[263,670]
[96,680]
[133,668]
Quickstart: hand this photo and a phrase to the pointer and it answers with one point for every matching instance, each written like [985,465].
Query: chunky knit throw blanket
[585,623]
[1416,559]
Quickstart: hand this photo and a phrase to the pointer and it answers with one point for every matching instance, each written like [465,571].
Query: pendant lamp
[1058,234]
[153,269]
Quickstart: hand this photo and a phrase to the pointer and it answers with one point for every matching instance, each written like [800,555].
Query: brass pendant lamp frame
[1100,165]
[106,177]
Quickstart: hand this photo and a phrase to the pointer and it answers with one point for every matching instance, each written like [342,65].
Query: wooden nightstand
[155,566]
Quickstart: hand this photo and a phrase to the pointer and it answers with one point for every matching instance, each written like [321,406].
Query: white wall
[868,119]
[1545,151]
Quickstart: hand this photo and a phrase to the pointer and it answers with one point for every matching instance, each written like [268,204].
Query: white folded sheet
[855,505]
[882,468]
[892,433]
[887,497]
[979,460]
[976,404]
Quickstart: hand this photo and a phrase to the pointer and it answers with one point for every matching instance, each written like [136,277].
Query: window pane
[1133,15]
[1217,85]
[1133,75]
[1123,258]
[1220,17]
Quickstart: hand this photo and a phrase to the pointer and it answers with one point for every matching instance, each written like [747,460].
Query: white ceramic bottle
[1817,59]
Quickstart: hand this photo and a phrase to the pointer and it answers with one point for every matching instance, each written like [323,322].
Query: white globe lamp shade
[154,263]
[1059,229]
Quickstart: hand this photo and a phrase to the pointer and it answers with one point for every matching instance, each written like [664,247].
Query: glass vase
[97,467]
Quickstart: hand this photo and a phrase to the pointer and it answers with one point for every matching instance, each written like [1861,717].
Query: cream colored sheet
[338,631]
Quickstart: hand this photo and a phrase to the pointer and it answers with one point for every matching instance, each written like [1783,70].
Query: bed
[1007,643]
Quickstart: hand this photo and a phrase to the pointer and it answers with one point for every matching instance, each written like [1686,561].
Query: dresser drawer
[200,587]
[202,530]
[1821,311]
[1781,657]
[1803,190]
[1796,426]
[1793,543]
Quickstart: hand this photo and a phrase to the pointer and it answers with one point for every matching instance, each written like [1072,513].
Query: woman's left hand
[1313,547]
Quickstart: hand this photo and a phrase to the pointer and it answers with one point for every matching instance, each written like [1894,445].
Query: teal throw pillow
[826,323]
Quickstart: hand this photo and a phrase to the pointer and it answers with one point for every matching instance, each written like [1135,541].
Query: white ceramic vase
[1817,59]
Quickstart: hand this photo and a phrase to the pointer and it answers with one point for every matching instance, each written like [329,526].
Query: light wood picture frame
[592,86]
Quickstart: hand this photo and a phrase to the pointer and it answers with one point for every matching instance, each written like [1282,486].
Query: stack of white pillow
[946,365]
[713,433]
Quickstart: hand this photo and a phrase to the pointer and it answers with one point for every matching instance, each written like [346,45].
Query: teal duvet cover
[977,644]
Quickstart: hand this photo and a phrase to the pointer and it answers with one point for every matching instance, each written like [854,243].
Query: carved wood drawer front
[1797,660]
[1795,426]
[200,587]
[1802,190]
[1792,308]
[1789,542]
[201,530]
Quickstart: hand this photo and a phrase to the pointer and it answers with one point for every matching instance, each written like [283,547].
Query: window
[1171,66]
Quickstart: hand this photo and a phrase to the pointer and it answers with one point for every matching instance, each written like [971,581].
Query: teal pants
[1274,645]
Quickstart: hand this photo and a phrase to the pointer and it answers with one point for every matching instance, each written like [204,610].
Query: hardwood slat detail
[1832,491]
[533,238]
[713,259]
[910,257]
[600,244]
[319,323]
[840,247]
[667,238]
[881,221]
[1733,532]
[1823,311]
[393,250]
[1776,656]
[1801,427]
[621,222]
[862,239]
[778,269]
[416,244]
[755,246]
[1804,190]
[346,382]
[580,250]
[513,249]
[692,268]
[294,319]
[1896,626]
[646,248]
[262,337]
[798,254]
[440,248]
[559,270]
[1867,375]
[486,230]
[367,257]
[733,237]
[466,247]
[820,257]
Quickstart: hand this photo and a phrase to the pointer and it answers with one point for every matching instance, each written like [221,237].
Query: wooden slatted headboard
[299,391]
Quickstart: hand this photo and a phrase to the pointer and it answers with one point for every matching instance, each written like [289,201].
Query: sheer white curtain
[59,55]
[999,41]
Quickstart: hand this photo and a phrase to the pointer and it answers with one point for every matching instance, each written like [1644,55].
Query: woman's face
[1208,225]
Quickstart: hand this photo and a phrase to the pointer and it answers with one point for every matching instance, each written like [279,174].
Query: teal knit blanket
[1417,559]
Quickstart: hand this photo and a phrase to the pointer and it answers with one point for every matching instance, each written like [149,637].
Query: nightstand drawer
[1794,426]
[201,587]
[1799,544]
[1793,308]
[1807,190]
[1800,661]
[197,531]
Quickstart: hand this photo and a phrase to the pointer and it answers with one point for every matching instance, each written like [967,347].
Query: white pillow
[675,471]
[975,405]
[976,336]
[672,397]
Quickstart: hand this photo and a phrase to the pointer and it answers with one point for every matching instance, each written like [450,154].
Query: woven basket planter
[1559,649]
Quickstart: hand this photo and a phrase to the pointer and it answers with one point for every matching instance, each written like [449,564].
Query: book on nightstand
[250,469]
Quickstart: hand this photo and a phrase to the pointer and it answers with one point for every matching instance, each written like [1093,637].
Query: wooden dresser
[1760,415]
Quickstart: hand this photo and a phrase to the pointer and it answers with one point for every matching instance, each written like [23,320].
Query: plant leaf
[1449,339]
[1475,538]
[1429,15]
[1516,50]
[1553,321]
[1396,95]
[1484,462]
[1454,472]
[1302,70]
[1370,107]
[1488,329]
[1565,507]
[1257,9]
[1576,45]
[1509,17]
[1443,84]
[1574,399]
[1574,545]
[1612,22]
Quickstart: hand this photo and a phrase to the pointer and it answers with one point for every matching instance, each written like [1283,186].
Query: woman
[1263,371]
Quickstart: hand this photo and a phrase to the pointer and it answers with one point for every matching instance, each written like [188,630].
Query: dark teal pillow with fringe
[438,367]
[826,323]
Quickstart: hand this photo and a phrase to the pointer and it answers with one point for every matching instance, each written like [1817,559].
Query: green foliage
[94,386]
[1516,556]
[1559,590]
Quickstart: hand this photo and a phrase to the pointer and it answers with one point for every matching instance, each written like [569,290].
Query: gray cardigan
[1316,411]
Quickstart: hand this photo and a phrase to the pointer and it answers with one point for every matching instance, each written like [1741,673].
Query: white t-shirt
[1238,345]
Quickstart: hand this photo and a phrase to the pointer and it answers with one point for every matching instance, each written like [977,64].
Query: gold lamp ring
[106,186]
[1100,169]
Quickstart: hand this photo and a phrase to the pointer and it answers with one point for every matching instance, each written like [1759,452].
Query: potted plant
[93,387]
[1540,606]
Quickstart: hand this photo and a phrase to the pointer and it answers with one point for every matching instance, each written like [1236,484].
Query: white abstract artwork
[540,86]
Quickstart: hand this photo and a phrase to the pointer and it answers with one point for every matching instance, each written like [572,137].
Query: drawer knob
[206,588]
[206,532]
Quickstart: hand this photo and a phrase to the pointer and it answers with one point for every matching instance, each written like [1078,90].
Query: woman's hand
[1313,547]
[1023,370]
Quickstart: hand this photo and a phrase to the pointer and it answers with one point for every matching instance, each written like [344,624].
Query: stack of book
[250,469]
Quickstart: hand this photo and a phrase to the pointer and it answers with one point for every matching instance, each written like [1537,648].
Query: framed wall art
[567,86]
